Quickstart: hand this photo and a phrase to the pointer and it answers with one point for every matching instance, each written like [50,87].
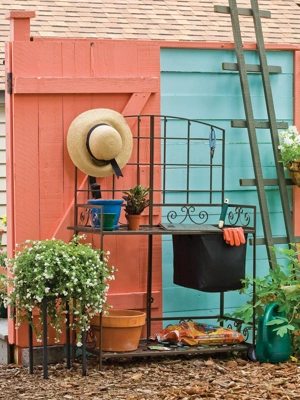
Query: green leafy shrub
[282,285]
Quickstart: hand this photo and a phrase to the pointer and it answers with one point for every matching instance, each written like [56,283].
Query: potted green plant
[136,200]
[72,273]
[280,285]
[290,152]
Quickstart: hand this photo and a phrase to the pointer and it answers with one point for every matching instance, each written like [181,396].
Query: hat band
[113,161]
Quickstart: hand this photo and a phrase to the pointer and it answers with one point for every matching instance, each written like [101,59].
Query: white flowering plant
[289,145]
[72,273]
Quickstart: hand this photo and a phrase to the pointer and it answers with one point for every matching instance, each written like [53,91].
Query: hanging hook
[212,141]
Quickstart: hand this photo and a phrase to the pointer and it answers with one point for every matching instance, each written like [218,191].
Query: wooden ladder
[253,124]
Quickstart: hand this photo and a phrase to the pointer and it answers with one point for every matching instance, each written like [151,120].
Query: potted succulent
[135,203]
[72,273]
[281,286]
[290,152]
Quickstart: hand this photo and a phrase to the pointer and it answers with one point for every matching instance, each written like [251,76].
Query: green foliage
[61,272]
[3,220]
[136,199]
[3,285]
[3,289]
[3,257]
[282,285]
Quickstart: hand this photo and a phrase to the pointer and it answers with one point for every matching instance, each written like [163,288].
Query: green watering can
[270,347]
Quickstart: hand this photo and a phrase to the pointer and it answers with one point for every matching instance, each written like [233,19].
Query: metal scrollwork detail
[171,215]
[187,215]
[245,333]
[84,217]
[238,215]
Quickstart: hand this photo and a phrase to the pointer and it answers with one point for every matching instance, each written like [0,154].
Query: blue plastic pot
[112,206]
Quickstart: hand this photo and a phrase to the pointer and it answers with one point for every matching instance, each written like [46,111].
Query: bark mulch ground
[224,377]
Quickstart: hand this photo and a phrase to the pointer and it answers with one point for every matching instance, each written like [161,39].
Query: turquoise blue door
[193,85]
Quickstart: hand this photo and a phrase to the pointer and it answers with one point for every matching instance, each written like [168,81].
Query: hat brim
[76,141]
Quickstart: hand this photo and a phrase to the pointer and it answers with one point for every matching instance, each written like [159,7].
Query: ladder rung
[273,69]
[266,182]
[240,123]
[276,240]
[241,11]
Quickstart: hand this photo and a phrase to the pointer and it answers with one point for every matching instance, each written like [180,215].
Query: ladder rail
[272,120]
[262,198]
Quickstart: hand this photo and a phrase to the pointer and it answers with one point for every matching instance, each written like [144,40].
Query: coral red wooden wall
[53,82]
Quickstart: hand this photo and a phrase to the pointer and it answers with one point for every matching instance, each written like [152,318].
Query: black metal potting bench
[191,206]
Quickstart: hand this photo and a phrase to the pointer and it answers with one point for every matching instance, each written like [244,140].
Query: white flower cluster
[64,273]
[289,144]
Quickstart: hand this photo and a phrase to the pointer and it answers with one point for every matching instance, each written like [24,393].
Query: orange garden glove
[228,236]
[234,236]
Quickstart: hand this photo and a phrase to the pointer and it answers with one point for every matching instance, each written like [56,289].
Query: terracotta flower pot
[133,222]
[121,330]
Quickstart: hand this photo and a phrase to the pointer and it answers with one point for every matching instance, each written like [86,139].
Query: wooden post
[19,31]
[20,24]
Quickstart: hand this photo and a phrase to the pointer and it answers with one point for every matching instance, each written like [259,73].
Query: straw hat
[100,142]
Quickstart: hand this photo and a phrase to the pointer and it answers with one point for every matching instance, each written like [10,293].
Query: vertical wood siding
[43,173]
[2,165]
[194,85]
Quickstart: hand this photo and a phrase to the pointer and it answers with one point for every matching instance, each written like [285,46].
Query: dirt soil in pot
[200,377]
